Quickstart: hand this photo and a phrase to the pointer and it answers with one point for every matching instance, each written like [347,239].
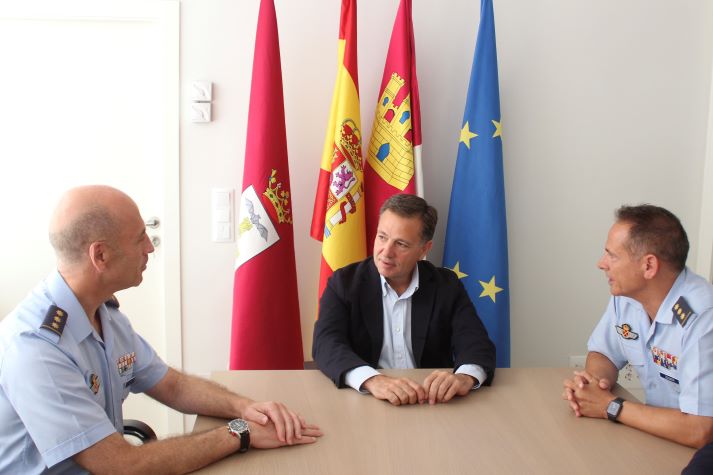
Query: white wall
[603,102]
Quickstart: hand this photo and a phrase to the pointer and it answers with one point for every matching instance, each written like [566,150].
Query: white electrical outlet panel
[222,215]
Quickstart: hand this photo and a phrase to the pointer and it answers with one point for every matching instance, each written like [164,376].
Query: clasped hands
[272,424]
[588,395]
[439,386]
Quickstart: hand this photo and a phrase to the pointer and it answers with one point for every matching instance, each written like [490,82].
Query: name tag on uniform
[669,378]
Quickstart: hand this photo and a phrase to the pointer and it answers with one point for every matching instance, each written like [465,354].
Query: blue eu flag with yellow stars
[476,238]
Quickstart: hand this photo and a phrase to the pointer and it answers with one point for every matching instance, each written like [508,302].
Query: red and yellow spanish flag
[266,312]
[338,219]
[393,163]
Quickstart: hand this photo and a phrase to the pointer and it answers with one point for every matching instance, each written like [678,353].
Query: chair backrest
[137,432]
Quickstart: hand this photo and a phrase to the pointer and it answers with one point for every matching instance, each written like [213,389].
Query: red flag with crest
[266,330]
[394,153]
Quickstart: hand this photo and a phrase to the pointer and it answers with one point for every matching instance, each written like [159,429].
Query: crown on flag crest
[279,198]
[350,140]
[347,155]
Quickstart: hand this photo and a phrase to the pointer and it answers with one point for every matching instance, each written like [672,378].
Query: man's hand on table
[265,436]
[439,386]
[587,395]
[288,426]
[397,391]
[442,386]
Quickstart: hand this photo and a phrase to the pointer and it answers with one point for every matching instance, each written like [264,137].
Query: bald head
[84,215]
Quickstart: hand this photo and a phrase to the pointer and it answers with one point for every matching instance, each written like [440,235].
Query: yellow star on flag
[466,135]
[498,128]
[456,269]
[490,289]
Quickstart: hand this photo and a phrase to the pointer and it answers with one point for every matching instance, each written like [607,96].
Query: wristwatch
[614,408]
[239,428]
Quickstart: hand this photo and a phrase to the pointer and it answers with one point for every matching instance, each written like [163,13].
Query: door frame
[166,14]
[704,255]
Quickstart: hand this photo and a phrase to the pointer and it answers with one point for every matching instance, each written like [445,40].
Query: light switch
[200,112]
[222,214]
[201,91]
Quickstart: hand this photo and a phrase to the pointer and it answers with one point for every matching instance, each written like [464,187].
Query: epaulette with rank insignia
[55,319]
[112,302]
[681,311]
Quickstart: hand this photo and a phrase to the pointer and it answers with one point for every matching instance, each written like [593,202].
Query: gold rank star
[498,128]
[466,135]
[456,269]
[490,289]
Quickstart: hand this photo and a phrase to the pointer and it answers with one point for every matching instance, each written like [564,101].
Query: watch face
[238,425]
[613,409]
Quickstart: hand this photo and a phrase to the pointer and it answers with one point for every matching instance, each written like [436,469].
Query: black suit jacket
[445,329]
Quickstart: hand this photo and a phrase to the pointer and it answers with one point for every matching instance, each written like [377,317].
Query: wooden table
[518,425]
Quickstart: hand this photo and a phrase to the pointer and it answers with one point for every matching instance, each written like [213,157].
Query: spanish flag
[394,153]
[338,218]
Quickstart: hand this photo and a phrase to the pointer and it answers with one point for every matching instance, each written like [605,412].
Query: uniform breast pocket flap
[634,352]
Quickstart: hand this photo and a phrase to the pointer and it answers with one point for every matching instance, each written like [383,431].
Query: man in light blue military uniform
[69,357]
[659,320]
[61,357]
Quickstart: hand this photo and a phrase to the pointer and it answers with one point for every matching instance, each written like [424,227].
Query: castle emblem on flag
[256,232]
[345,186]
[391,146]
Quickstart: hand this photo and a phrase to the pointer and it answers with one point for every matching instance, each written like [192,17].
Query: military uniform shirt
[60,394]
[673,355]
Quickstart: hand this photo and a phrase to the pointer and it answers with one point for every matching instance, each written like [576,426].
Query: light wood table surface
[518,425]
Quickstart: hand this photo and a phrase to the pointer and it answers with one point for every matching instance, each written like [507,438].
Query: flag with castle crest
[476,237]
[394,153]
[266,330]
[338,218]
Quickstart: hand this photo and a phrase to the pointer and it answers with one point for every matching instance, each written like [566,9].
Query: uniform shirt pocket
[95,385]
[127,380]
[670,381]
[634,352]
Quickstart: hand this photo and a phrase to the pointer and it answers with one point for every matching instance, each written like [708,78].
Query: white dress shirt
[396,350]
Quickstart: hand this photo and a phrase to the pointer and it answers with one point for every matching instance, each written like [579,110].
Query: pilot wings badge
[625,331]
[256,232]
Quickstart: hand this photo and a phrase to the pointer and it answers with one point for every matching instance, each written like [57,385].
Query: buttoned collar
[77,321]
[412,286]
[665,312]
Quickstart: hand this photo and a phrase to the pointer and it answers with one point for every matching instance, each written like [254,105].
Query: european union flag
[476,238]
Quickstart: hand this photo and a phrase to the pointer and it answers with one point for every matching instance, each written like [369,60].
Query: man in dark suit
[396,310]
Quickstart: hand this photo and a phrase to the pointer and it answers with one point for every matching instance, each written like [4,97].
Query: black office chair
[137,432]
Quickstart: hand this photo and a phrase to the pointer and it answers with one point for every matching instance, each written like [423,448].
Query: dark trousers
[701,463]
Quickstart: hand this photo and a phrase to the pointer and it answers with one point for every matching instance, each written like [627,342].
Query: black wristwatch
[614,408]
[240,428]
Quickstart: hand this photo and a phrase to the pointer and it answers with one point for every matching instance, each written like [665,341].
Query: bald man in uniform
[69,358]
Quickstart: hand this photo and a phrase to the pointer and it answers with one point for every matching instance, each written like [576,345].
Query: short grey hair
[71,242]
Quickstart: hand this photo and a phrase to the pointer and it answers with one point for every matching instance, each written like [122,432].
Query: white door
[89,94]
